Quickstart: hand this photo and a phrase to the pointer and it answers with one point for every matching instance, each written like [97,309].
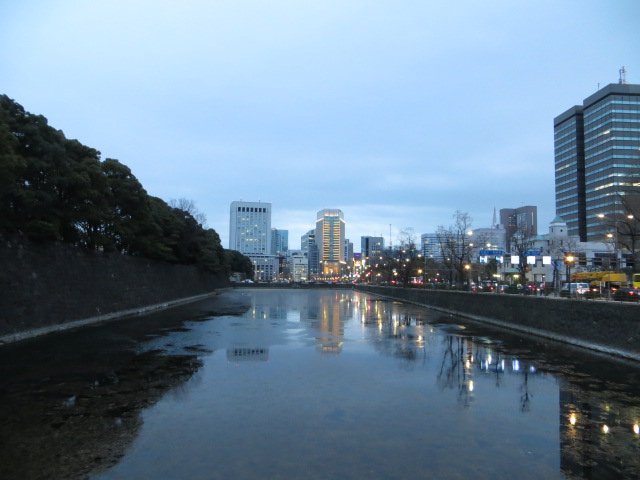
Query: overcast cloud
[397,113]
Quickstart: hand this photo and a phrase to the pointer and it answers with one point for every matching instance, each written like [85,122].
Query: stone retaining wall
[610,327]
[48,285]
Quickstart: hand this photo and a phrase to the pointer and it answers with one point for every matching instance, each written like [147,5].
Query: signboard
[490,253]
[533,253]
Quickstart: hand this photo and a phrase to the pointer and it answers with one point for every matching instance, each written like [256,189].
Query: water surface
[287,384]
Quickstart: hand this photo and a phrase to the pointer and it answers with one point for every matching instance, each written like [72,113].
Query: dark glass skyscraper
[597,159]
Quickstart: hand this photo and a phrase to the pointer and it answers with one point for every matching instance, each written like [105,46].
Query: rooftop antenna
[623,75]
[390,239]
[495,221]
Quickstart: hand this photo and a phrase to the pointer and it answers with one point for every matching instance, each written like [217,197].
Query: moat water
[312,384]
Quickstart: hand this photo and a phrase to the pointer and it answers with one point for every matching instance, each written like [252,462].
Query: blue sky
[397,113]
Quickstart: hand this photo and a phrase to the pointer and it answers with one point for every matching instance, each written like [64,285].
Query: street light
[614,236]
[568,260]
[467,267]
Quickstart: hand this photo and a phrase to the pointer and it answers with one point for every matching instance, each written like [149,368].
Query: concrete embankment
[608,327]
[49,287]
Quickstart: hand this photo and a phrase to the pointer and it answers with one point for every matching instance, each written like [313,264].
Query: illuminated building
[330,236]
[597,158]
[250,234]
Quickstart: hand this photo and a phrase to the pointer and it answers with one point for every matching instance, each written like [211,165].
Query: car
[573,289]
[627,294]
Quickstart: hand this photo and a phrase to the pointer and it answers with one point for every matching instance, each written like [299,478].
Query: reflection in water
[70,404]
[599,432]
[240,354]
[315,384]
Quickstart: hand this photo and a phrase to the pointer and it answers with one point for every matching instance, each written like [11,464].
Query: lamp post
[568,260]
[467,269]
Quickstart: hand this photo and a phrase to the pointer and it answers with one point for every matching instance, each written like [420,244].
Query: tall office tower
[524,219]
[250,227]
[279,241]
[250,234]
[371,246]
[597,159]
[330,234]
[310,248]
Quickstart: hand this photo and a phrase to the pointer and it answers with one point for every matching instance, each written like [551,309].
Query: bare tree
[189,206]
[626,226]
[522,241]
[560,249]
[455,244]
[402,262]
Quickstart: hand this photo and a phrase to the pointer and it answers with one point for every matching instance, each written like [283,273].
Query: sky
[397,113]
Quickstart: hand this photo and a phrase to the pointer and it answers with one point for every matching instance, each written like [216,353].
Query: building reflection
[599,432]
[333,311]
[244,354]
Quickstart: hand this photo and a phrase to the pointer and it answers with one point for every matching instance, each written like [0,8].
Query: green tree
[239,263]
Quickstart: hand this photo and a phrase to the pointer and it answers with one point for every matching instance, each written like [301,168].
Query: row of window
[615,101]
[570,124]
[604,177]
[632,113]
[252,209]
[572,179]
[619,139]
[572,148]
[572,188]
[572,140]
[566,156]
[614,147]
[608,123]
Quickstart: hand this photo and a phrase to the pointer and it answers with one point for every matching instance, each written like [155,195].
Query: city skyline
[397,114]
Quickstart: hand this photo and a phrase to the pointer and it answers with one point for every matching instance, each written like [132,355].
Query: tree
[456,246]
[521,241]
[239,263]
[625,226]
[53,188]
[189,206]
[130,224]
[559,250]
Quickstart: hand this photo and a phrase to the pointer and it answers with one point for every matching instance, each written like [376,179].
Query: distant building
[348,250]
[597,159]
[279,241]
[310,248]
[548,253]
[298,265]
[250,228]
[521,218]
[431,247]
[489,238]
[330,235]
[371,246]
[250,234]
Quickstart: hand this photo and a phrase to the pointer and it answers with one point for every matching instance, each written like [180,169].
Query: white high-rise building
[250,227]
[250,234]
